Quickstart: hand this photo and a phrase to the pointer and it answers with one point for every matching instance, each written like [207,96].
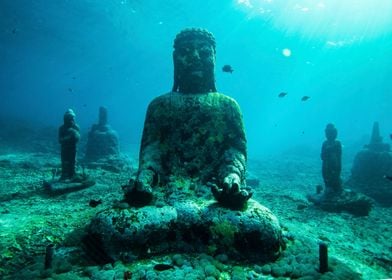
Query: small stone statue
[194,131]
[102,141]
[69,181]
[68,137]
[335,198]
[331,156]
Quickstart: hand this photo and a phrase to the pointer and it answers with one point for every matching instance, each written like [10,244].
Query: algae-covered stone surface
[189,227]
[211,141]
[31,219]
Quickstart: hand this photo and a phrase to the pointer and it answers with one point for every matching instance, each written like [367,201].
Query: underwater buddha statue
[193,144]
[193,131]
[331,156]
[102,141]
[335,197]
[68,136]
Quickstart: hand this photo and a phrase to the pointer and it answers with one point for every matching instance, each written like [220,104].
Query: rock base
[347,201]
[56,187]
[188,227]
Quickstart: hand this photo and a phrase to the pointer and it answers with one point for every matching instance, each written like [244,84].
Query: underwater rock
[370,167]
[253,234]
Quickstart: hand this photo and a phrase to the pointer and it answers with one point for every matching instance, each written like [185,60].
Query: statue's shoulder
[224,99]
[160,100]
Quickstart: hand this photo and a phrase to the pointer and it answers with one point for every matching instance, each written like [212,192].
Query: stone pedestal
[188,227]
[351,202]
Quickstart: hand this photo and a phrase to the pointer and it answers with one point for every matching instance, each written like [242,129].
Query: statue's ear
[175,80]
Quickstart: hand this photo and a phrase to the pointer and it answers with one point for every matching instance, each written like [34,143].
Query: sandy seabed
[31,219]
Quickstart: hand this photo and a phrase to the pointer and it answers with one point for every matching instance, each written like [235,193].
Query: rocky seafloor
[31,220]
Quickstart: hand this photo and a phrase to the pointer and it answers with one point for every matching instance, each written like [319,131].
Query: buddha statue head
[331,132]
[194,61]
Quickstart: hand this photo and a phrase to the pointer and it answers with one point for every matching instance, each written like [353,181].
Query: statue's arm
[231,190]
[69,135]
[139,189]
[149,155]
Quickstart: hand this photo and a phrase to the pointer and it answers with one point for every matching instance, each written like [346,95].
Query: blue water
[82,54]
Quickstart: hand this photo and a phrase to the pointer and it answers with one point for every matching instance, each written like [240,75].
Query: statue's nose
[195,54]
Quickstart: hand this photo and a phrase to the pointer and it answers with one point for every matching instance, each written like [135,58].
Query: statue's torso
[193,131]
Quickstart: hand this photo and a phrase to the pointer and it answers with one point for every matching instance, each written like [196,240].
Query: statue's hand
[231,183]
[72,135]
[139,190]
[230,194]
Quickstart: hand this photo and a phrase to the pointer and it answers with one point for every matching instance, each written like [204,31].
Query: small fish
[282,94]
[305,97]
[70,89]
[390,136]
[227,68]
[388,177]
[95,202]
[162,267]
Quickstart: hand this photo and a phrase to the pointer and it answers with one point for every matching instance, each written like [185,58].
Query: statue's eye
[183,51]
[205,52]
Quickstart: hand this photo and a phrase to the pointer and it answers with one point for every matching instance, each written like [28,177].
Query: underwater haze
[194,208]
[82,54]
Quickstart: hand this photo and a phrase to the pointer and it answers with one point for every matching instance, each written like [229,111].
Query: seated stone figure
[193,140]
[194,131]
[102,141]
[335,198]
[370,168]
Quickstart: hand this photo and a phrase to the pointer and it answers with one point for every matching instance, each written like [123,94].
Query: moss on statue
[197,150]
[193,132]
[224,231]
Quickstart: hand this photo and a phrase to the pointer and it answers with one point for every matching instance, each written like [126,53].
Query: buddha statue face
[194,62]
[69,117]
[331,132]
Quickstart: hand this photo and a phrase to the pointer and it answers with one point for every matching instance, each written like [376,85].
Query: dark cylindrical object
[323,257]
[49,252]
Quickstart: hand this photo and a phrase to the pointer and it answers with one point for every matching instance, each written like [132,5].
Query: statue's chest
[193,122]
[197,116]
